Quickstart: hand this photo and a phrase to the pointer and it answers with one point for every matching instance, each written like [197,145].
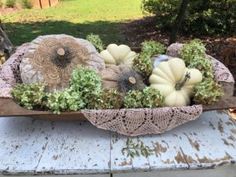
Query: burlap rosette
[131,122]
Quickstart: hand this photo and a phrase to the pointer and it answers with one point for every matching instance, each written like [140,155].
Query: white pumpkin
[117,55]
[175,81]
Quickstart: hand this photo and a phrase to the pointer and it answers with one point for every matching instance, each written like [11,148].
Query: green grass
[74,17]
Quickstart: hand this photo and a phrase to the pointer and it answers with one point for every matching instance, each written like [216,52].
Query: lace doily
[134,122]
[10,72]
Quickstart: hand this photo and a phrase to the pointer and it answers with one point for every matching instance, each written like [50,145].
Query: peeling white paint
[30,147]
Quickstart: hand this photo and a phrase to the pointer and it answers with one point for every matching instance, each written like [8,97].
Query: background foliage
[202,17]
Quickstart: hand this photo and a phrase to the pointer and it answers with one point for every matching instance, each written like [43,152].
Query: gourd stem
[132,80]
[179,85]
[61,52]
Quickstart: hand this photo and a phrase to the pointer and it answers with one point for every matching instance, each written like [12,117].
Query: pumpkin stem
[61,52]
[132,80]
[180,84]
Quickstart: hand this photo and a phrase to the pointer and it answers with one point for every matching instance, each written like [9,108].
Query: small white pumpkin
[117,55]
[175,81]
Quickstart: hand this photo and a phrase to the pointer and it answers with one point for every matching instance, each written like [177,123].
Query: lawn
[74,17]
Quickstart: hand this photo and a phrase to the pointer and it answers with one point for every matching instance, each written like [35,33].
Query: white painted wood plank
[43,147]
[119,160]
[210,141]
[35,146]
[76,147]
[193,145]
[162,156]
[22,141]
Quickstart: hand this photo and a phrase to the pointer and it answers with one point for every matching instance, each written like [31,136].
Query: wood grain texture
[206,143]
[44,147]
[9,108]
[32,146]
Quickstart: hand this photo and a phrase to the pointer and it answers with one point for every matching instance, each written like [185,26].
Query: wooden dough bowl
[8,108]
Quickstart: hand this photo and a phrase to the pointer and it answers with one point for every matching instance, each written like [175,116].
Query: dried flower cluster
[208,91]
[146,98]
[194,55]
[143,62]
[30,96]
[96,41]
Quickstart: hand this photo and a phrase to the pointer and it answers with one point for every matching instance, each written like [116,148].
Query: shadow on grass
[24,32]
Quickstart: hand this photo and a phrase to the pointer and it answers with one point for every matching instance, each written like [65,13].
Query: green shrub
[26,4]
[10,3]
[202,16]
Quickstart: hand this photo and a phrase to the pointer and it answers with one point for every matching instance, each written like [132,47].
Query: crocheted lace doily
[133,122]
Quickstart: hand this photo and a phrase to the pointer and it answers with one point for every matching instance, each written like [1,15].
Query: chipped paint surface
[205,143]
[42,147]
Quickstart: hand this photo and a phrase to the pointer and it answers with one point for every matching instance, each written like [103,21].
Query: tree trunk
[5,44]
[178,21]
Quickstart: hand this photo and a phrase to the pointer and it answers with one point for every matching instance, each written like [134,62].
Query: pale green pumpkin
[118,55]
[175,82]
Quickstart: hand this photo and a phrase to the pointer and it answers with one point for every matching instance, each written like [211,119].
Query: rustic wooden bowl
[8,108]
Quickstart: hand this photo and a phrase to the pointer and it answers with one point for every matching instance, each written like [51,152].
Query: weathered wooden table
[205,147]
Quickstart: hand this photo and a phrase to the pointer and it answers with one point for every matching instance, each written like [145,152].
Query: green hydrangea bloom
[207,92]
[152,98]
[30,96]
[194,48]
[86,82]
[66,100]
[194,55]
[146,98]
[143,62]
[108,99]
[96,41]
[153,47]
